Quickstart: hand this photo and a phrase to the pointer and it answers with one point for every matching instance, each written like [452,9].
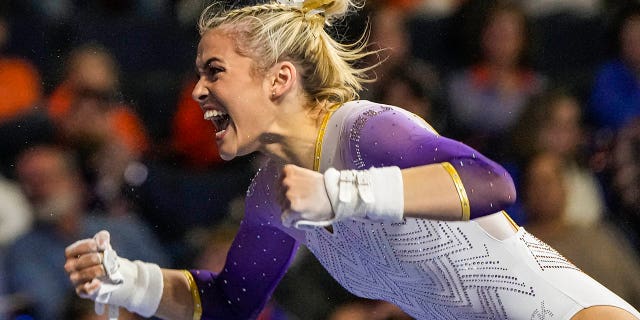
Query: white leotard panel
[450,270]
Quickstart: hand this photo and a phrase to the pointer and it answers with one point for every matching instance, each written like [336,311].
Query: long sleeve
[256,262]
[384,136]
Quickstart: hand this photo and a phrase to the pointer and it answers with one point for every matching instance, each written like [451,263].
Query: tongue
[221,122]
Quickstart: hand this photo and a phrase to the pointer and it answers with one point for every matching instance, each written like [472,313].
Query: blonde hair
[275,32]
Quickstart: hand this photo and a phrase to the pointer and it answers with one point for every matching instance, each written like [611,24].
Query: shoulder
[377,119]
[377,134]
[365,109]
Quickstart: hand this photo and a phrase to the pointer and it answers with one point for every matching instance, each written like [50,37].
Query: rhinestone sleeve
[258,259]
[381,136]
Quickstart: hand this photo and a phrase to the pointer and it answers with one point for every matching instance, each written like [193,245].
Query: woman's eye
[213,71]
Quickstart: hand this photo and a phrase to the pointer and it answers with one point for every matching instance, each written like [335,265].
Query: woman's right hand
[84,263]
[99,274]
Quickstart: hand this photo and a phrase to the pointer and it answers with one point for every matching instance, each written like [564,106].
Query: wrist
[375,194]
[140,289]
[149,284]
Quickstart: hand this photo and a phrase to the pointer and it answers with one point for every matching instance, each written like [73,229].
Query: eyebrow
[206,63]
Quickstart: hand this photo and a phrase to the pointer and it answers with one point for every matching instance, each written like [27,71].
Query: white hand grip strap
[111,266]
[134,285]
[375,194]
[110,283]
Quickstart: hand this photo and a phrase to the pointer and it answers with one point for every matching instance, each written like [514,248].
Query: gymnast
[393,210]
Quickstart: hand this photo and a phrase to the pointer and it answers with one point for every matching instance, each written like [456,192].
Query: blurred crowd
[98,131]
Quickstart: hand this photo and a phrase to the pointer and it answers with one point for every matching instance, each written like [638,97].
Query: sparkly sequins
[354,133]
[545,255]
[431,269]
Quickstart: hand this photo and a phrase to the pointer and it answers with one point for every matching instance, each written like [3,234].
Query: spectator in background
[415,90]
[403,80]
[15,220]
[598,249]
[582,8]
[615,96]
[53,184]
[552,122]
[92,118]
[22,122]
[20,83]
[620,171]
[487,98]
[15,213]
[92,72]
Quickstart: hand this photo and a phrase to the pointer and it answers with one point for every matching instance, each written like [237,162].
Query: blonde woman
[393,210]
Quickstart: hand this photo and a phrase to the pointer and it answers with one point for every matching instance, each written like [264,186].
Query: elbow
[510,194]
[500,196]
[503,189]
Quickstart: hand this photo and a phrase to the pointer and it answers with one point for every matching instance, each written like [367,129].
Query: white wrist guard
[134,285]
[374,194]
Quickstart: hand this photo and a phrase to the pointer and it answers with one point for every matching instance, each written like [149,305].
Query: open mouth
[219,118]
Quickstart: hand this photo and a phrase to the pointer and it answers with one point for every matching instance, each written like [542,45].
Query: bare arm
[176,301]
[442,202]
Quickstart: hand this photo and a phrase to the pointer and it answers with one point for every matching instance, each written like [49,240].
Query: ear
[283,79]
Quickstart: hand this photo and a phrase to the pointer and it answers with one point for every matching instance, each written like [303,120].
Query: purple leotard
[370,134]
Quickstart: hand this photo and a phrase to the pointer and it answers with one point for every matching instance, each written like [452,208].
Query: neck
[293,140]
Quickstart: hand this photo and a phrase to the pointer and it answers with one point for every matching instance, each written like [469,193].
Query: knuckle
[88,274]
[95,259]
[68,266]
[73,277]
[97,271]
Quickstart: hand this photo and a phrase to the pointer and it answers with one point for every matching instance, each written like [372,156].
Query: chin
[227,156]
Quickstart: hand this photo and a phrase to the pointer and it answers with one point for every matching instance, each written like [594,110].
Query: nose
[200,92]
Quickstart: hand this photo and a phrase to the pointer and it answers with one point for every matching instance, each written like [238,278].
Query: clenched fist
[304,199]
[311,199]
[99,274]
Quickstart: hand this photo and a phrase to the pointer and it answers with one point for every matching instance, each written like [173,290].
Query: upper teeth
[209,114]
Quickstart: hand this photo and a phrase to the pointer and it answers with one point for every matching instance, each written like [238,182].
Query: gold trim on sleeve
[462,193]
[193,287]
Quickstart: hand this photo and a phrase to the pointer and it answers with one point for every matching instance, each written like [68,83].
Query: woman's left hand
[304,198]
